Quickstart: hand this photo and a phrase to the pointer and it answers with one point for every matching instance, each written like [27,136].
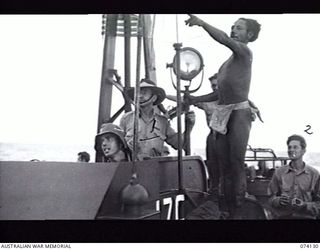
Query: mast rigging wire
[177,28]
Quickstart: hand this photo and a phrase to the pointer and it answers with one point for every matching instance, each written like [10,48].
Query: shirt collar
[305,168]
[145,119]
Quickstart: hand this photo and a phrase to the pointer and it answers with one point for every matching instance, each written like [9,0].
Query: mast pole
[149,55]
[127,57]
[177,47]
[105,99]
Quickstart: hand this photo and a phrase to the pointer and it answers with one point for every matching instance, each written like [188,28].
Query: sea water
[69,153]
[43,152]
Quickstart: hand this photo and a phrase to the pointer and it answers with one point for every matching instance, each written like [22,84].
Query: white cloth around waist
[221,114]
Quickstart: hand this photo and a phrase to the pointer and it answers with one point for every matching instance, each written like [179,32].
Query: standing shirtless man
[231,120]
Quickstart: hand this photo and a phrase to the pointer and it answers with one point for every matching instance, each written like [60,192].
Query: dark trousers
[229,153]
[212,163]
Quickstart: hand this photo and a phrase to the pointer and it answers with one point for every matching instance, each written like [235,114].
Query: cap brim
[159,92]
[98,136]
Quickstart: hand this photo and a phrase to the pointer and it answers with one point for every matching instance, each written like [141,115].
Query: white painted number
[179,198]
[169,201]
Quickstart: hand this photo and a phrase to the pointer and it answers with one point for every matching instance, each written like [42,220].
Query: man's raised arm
[218,35]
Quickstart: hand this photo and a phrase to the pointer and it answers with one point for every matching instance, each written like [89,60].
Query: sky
[51,71]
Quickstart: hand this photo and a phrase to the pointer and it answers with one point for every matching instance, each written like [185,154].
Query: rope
[153,25]
[177,28]
[136,100]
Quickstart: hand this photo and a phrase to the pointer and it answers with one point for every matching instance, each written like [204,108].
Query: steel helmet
[109,128]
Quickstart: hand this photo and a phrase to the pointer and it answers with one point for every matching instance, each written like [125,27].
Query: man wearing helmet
[110,141]
[154,128]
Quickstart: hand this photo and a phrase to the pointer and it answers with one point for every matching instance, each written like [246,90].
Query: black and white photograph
[140,117]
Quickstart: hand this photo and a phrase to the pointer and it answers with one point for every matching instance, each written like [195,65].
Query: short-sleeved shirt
[151,136]
[303,184]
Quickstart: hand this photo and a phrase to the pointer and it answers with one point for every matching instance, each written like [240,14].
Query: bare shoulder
[242,49]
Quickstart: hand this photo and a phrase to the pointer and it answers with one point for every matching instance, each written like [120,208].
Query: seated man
[154,129]
[263,169]
[110,141]
[295,188]
[251,172]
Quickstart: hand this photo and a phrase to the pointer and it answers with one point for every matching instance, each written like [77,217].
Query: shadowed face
[110,145]
[80,159]
[214,83]
[239,31]
[295,151]
[146,97]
